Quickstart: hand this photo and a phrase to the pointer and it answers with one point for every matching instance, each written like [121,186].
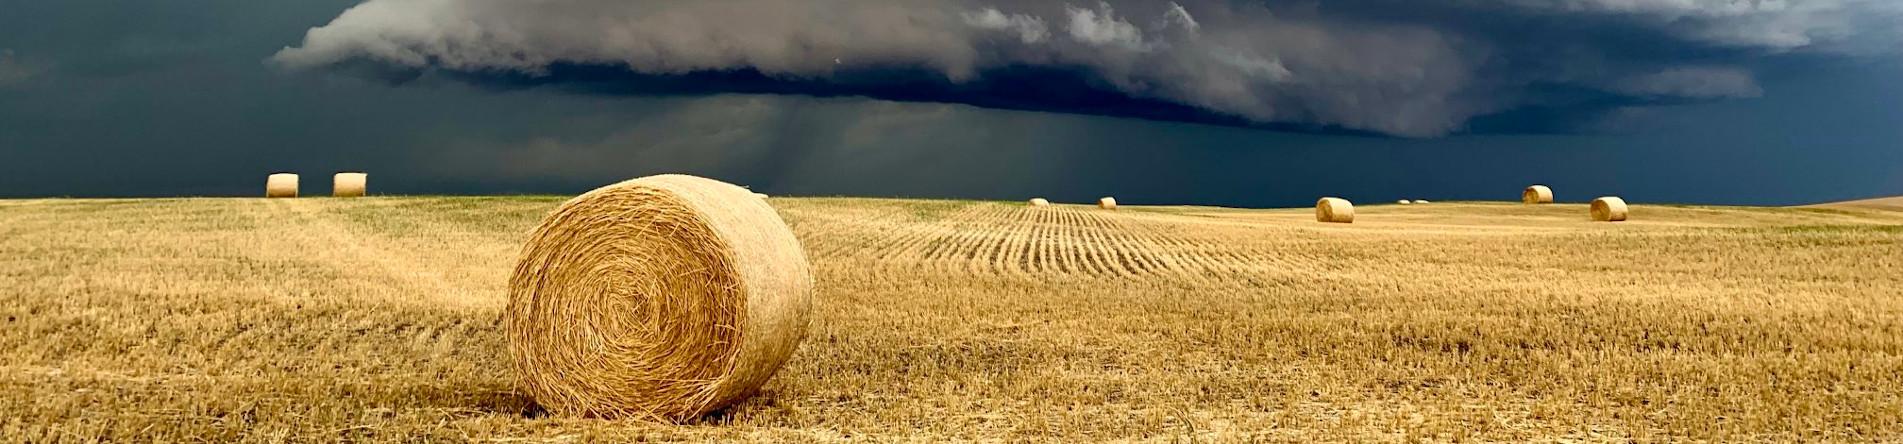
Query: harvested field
[379,319]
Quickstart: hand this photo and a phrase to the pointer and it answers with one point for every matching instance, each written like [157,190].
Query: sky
[1263,103]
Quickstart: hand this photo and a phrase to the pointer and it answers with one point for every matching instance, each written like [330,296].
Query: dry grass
[1885,203]
[378,319]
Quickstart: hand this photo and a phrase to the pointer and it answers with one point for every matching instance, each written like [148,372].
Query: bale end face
[1108,203]
[698,289]
[1040,202]
[1537,194]
[349,185]
[1334,210]
[1609,209]
[280,185]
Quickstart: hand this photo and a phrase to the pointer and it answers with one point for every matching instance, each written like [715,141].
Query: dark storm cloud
[14,70]
[115,98]
[1408,68]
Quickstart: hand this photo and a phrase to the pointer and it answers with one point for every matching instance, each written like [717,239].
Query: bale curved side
[1403,202]
[1609,209]
[349,185]
[664,298]
[1040,202]
[1537,194]
[280,185]
[1108,203]
[1334,210]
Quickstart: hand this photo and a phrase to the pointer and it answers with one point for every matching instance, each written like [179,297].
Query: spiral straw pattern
[1335,210]
[1609,209]
[662,298]
[1537,194]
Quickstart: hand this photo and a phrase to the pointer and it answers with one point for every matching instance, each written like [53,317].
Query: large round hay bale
[1608,209]
[663,298]
[1537,194]
[1040,202]
[349,185]
[1108,203]
[280,185]
[1403,202]
[1334,210]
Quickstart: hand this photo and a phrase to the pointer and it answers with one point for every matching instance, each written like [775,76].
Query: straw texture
[349,185]
[281,185]
[1537,194]
[662,298]
[1609,209]
[1108,203]
[1040,202]
[1334,210]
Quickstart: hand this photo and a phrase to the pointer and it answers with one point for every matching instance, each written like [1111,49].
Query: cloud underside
[1395,67]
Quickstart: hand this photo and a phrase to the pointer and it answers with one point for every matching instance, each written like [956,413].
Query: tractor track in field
[1027,242]
[359,252]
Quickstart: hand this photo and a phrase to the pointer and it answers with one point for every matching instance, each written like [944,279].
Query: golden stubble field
[377,319]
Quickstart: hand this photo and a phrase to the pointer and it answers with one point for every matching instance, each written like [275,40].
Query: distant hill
[1893,203]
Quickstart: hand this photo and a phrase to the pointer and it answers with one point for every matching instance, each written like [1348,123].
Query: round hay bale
[1403,202]
[1040,202]
[1334,210]
[349,185]
[1609,209]
[280,185]
[663,298]
[1421,202]
[1537,194]
[1108,203]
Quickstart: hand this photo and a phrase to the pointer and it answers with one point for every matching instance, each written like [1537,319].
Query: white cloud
[1179,16]
[1030,29]
[1102,27]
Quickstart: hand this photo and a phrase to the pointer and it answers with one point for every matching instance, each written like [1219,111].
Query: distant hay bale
[1537,194]
[1421,202]
[1040,202]
[1403,202]
[281,185]
[1609,209]
[662,298]
[349,185]
[1334,210]
[1108,203]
